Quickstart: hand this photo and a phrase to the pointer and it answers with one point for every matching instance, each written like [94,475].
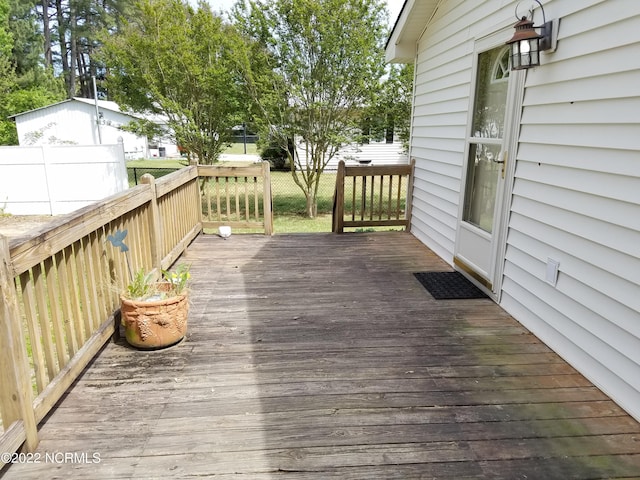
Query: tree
[27,44]
[7,75]
[323,60]
[24,84]
[389,115]
[174,61]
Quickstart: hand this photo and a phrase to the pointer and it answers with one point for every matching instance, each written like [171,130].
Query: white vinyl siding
[576,198]
[73,122]
[576,189]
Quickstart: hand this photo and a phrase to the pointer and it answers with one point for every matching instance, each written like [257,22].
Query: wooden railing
[238,197]
[372,196]
[59,291]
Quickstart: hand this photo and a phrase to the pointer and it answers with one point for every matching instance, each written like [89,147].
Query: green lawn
[238,149]
[288,200]
[158,163]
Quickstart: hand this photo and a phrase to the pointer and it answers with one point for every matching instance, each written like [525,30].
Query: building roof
[411,22]
[103,104]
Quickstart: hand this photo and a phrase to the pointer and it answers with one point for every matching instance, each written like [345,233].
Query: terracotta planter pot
[155,324]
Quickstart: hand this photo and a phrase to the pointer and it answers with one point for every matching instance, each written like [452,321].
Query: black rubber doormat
[449,285]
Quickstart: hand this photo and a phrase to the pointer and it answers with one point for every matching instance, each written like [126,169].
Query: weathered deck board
[321,357]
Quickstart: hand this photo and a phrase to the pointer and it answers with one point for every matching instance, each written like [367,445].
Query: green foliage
[6,38]
[390,112]
[277,156]
[172,60]
[143,286]
[145,128]
[26,49]
[140,285]
[33,88]
[310,66]
[178,278]
[18,100]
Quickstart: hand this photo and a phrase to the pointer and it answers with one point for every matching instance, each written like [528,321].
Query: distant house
[528,181]
[75,122]
[373,153]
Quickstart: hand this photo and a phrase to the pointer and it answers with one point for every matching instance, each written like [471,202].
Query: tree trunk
[74,50]
[62,34]
[312,203]
[46,32]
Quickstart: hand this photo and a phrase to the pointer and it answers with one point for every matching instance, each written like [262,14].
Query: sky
[393,6]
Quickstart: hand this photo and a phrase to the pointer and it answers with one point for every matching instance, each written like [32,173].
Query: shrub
[277,156]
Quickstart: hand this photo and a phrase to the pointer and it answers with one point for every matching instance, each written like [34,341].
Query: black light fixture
[526,44]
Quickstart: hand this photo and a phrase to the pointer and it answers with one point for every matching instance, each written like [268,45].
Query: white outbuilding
[79,121]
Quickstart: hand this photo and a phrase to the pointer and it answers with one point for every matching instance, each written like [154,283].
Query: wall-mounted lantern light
[526,44]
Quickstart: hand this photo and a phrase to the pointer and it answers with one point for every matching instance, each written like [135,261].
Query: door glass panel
[482,182]
[491,93]
[483,173]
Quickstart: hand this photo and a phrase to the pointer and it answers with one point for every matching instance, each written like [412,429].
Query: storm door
[489,141]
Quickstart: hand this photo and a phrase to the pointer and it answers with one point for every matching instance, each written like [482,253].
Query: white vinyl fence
[54,180]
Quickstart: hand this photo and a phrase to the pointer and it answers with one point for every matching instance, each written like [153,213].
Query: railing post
[155,224]
[198,194]
[409,200]
[266,198]
[16,399]
[338,208]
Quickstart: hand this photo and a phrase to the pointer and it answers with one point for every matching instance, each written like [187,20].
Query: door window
[485,142]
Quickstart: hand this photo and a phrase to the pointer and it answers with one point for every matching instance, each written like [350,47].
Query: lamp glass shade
[525,53]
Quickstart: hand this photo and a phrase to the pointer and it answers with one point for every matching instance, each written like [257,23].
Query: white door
[490,144]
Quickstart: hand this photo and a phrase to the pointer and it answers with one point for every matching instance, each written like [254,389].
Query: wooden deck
[321,357]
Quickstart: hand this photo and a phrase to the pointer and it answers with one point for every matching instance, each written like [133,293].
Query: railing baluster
[363,199]
[31,319]
[206,185]
[55,309]
[218,206]
[372,203]
[84,296]
[237,200]
[353,198]
[390,197]
[398,198]
[255,198]
[380,197]
[39,284]
[246,199]
[228,212]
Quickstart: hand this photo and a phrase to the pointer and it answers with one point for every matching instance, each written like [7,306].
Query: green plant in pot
[153,312]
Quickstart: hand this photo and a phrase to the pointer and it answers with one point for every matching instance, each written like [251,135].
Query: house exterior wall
[576,187]
[377,153]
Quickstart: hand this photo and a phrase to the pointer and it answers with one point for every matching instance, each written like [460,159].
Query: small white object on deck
[224,231]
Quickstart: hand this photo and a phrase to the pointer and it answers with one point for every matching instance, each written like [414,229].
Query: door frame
[492,286]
